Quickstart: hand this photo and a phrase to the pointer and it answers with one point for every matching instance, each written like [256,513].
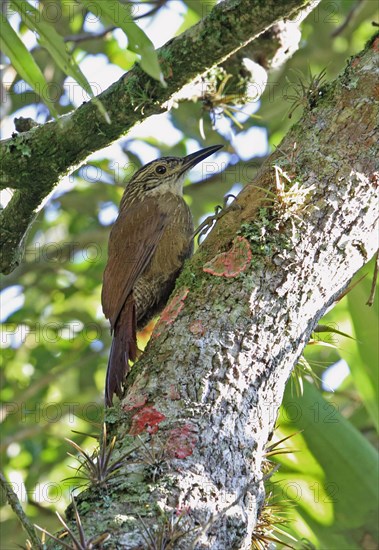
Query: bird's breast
[176,243]
[154,286]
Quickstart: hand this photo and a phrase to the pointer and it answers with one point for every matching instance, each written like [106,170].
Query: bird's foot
[220,211]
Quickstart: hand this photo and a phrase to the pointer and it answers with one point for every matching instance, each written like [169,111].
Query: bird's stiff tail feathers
[123,349]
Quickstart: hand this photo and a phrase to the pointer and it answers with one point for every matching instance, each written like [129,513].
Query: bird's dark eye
[160,169]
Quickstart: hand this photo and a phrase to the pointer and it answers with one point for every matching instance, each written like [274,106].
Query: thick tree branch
[34,162]
[204,396]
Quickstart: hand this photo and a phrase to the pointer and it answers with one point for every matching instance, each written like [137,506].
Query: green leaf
[333,478]
[362,355]
[327,328]
[23,62]
[201,8]
[191,17]
[120,15]
[52,41]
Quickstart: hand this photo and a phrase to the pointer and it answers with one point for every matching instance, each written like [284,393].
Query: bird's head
[165,174]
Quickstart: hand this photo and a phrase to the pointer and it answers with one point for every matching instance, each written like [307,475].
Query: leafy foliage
[55,339]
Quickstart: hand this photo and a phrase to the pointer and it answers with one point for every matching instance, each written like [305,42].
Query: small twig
[371,298]
[220,211]
[151,12]
[15,504]
[77,38]
[88,35]
[347,19]
[24,124]
[158,5]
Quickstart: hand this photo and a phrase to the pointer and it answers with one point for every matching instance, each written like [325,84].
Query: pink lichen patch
[182,511]
[197,328]
[173,393]
[148,419]
[181,441]
[231,263]
[134,401]
[374,180]
[171,311]
[174,307]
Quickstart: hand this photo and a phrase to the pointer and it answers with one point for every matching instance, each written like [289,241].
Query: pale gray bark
[33,162]
[212,381]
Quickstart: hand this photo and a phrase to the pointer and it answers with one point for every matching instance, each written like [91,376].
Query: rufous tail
[123,350]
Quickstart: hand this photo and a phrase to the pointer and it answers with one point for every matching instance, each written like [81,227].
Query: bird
[148,244]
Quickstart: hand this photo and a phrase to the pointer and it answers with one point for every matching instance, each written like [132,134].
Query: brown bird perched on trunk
[148,244]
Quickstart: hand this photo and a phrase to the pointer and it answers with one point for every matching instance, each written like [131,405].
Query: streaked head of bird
[164,175]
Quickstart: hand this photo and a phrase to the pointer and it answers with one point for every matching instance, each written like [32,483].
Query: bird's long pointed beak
[194,158]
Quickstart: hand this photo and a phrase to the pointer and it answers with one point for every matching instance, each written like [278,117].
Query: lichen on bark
[216,375]
[34,162]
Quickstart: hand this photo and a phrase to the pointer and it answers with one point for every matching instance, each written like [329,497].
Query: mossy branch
[214,376]
[33,162]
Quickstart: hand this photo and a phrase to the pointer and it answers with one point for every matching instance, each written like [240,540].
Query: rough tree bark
[33,162]
[204,396]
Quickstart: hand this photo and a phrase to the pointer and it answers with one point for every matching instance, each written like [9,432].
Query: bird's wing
[132,243]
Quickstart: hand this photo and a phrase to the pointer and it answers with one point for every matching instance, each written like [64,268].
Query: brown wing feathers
[123,349]
[132,244]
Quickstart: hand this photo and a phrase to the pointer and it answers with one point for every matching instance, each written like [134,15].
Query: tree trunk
[33,162]
[204,397]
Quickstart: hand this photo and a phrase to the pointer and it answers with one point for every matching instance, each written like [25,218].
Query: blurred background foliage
[55,340]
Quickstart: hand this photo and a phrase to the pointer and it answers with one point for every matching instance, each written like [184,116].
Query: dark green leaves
[120,15]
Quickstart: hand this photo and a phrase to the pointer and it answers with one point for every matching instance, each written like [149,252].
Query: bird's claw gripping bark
[220,211]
